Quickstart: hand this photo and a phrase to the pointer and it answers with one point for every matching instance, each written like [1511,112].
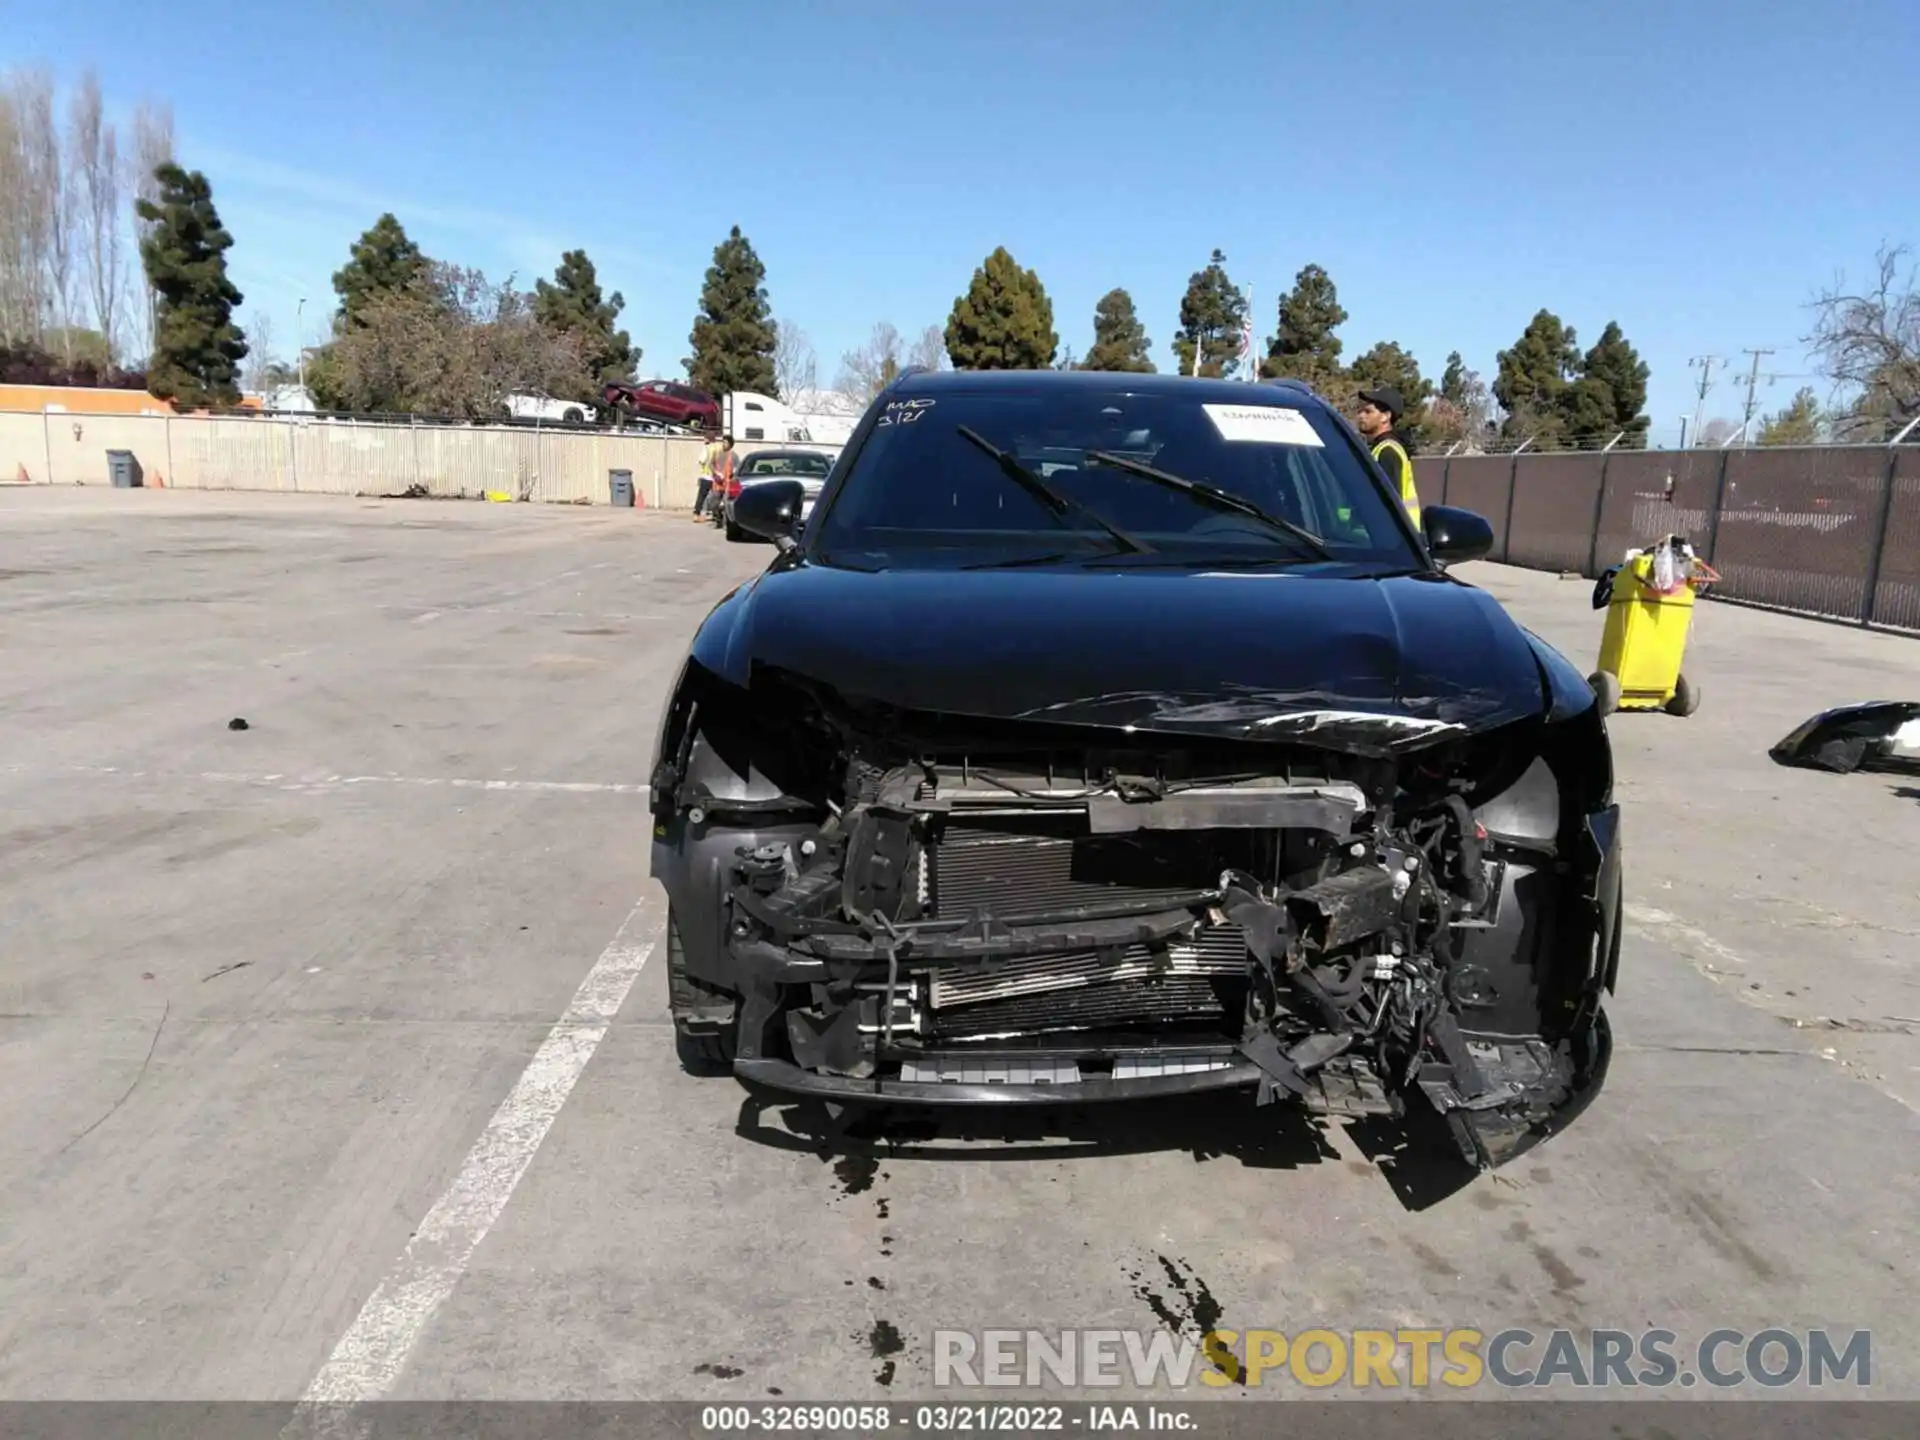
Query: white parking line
[369,1358]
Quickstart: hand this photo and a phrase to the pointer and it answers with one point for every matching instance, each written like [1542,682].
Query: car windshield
[799,466]
[922,487]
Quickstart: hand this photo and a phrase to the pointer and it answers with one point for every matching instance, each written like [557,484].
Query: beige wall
[341,458]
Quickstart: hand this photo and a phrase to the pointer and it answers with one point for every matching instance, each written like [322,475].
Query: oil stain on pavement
[1188,1308]
[885,1341]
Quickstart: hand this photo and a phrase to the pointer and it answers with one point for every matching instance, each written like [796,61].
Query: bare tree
[794,365]
[19,308]
[930,350]
[1868,344]
[453,343]
[1715,432]
[95,170]
[261,364]
[35,251]
[868,370]
[152,148]
[53,194]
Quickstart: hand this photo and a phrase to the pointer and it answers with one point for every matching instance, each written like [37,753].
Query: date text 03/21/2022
[942,1419]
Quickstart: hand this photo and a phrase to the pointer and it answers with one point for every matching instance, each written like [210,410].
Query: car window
[798,465]
[916,482]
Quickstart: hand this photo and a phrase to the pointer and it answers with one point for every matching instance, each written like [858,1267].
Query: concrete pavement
[338,1053]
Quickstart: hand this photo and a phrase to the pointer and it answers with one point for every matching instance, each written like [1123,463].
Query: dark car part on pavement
[1073,828]
[1877,735]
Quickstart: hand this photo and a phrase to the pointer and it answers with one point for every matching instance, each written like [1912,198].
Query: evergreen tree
[1305,347]
[1453,381]
[383,261]
[1612,385]
[1213,319]
[1388,364]
[1533,379]
[1004,321]
[1119,339]
[572,305]
[733,337]
[1798,424]
[197,349]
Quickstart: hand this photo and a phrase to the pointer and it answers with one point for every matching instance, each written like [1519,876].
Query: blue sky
[1694,170]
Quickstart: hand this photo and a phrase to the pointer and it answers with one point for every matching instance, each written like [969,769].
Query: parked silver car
[809,467]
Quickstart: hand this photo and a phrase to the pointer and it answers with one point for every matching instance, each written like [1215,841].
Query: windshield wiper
[1213,495]
[1056,501]
[1049,558]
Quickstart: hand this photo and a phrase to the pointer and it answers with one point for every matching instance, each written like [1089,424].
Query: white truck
[760,420]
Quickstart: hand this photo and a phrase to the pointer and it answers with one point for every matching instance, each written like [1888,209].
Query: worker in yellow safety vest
[1380,411]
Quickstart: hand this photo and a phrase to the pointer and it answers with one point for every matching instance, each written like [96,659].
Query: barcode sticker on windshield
[1263,424]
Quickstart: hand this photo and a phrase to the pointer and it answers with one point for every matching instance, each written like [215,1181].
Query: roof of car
[796,453]
[1219,392]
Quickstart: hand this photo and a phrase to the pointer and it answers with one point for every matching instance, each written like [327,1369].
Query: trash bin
[1645,638]
[620,483]
[123,468]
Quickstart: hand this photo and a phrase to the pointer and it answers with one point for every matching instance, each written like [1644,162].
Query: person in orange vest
[1380,411]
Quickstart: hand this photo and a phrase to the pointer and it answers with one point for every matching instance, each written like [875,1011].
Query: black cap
[1387,398]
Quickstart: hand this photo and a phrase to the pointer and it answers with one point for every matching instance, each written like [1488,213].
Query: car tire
[735,533]
[573,415]
[1606,690]
[703,1015]
[1686,697]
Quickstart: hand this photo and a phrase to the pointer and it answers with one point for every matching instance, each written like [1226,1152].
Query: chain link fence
[1829,530]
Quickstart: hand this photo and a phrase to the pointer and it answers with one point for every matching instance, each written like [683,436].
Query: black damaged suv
[1103,736]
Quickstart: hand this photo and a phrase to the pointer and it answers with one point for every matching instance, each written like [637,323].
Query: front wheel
[703,1016]
[1686,697]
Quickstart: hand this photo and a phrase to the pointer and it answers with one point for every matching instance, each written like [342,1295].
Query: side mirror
[769,508]
[1455,535]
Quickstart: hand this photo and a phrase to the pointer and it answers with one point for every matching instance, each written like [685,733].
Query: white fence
[321,456]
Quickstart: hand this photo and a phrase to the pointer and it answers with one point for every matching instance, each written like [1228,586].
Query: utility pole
[1753,379]
[1706,364]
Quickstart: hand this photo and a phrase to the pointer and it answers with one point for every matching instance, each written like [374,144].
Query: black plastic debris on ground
[237,723]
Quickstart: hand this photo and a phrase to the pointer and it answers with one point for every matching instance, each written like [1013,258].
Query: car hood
[1358,662]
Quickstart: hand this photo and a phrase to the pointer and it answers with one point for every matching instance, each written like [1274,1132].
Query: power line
[1706,364]
[1753,379]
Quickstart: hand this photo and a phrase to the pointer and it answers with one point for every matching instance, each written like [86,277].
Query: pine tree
[1387,364]
[197,349]
[733,336]
[1119,339]
[1453,381]
[1213,319]
[572,305]
[1305,347]
[1004,321]
[1533,379]
[383,261]
[1611,394]
[1798,424]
